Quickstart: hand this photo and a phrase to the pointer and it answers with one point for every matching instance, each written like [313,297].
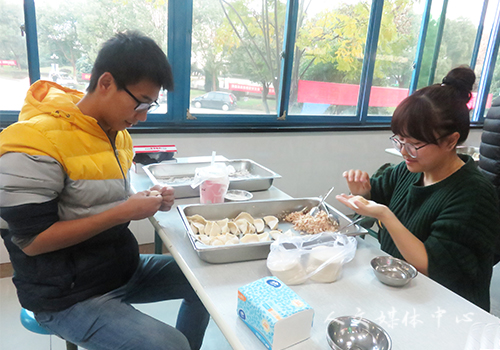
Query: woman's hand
[412,249]
[364,207]
[167,194]
[358,182]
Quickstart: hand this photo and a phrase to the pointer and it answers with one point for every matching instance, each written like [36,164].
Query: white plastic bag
[318,257]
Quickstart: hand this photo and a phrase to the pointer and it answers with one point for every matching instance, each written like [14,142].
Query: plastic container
[213,181]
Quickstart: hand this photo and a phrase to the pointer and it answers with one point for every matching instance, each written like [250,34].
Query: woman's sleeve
[462,237]
[382,183]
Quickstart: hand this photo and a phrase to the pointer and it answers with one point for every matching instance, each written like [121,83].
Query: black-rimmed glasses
[410,148]
[142,106]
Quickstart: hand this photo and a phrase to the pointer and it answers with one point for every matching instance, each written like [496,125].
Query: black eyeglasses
[142,106]
[410,148]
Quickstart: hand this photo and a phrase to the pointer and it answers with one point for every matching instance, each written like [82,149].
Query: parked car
[215,99]
[64,79]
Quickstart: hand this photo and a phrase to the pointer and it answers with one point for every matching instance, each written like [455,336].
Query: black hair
[437,110]
[131,57]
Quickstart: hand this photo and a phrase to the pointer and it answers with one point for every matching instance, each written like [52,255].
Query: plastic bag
[213,181]
[318,257]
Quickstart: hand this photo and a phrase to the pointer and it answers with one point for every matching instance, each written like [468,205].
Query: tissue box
[274,313]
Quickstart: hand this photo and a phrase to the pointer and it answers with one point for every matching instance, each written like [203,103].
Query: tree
[75,29]
[330,45]
[207,49]
[255,36]
[12,43]
[456,48]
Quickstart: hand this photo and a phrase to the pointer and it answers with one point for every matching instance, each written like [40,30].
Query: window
[263,64]
[236,48]
[328,57]
[13,58]
[396,50]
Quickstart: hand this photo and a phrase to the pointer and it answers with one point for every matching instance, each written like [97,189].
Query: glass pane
[495,82]
[328,59]
[14,79]
[459,35]
[396,52]
[457,45]
[236,46]
[71,32]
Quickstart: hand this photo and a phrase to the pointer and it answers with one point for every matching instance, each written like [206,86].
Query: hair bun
[461,78]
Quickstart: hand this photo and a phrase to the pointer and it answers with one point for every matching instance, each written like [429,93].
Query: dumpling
[197,218]
[271,221]
[198,228]
[224,226]
[233,228]
[246,216]
[259,225]
[242,225]
[275,234]
[203,239]
[212,229]
[264,237]
[249,238]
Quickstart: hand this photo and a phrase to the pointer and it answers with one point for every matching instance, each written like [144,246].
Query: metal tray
[469,150]
[258,209]
[180,176]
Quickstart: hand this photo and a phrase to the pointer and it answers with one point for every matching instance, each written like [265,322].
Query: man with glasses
[66,202]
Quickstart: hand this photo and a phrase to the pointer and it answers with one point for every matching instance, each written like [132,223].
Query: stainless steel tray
[258,209]
[469,150]
[180,176]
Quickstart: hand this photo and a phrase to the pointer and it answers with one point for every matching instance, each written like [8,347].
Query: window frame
[179,119]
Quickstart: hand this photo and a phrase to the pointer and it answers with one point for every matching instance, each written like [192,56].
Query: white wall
[309,162]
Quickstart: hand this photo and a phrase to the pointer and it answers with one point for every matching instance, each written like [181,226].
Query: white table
[420,316]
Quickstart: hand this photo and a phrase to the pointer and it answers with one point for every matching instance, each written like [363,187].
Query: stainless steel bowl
[393,271]
[356,333]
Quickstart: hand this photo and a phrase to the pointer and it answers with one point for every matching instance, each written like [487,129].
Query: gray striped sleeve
[29,179]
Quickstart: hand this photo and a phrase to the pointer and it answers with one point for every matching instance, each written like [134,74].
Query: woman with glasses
[436,209]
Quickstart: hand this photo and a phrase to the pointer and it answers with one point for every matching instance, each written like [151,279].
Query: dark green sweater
[457,219]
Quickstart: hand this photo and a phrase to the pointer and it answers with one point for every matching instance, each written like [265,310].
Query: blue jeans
[110,322]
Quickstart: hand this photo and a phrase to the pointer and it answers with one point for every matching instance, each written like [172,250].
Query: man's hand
[167,194]
[140,206]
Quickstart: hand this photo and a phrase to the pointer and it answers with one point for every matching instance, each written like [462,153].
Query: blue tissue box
[274,313]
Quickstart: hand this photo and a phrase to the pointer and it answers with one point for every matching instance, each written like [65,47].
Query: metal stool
[30,323]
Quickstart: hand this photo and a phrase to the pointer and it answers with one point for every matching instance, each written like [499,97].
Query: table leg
[158,244]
